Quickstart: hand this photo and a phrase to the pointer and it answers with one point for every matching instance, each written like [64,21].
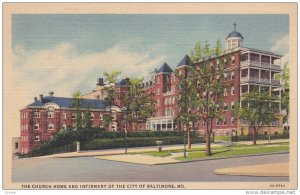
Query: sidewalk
[104,152]
[263,170]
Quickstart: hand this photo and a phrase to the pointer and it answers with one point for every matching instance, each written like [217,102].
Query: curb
[219,158]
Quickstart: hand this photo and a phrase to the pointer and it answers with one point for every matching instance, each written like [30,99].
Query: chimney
[35,99]
[51,93]
[100,81]
[41,97]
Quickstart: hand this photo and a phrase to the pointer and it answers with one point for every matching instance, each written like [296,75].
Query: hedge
[259,137]
[105,143]
[119,134]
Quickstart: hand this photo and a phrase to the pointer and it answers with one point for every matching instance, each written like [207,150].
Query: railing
[260,80]
[260,64]
[275,82]
[277,67]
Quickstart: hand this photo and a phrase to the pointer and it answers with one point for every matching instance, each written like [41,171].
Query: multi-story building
[47,115]
[247,69]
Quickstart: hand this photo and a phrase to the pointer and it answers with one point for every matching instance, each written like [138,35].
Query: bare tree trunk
[207,139]
[254,135]
[189,138]
[269,133]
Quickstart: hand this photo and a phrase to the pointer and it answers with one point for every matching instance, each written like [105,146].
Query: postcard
[170,96]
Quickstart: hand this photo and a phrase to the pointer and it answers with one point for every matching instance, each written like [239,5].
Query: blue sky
[64,53]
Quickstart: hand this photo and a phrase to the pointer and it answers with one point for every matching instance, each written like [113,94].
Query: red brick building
[47,115]
[248,69]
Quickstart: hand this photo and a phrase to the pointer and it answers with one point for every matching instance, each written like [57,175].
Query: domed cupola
[234,39]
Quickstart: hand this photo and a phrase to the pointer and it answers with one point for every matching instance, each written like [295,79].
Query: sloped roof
[66,102]
[123,82]
[165,68]
[186,60]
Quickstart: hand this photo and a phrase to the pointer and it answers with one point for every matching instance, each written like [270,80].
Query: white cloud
[62,70]
[281,44]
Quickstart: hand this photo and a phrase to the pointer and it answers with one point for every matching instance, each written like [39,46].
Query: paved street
[90,169]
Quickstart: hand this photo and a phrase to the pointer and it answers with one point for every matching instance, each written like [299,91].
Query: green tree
[86,121]
[210,87]
[256,109]
[110,79]
[284,77]
[76,106]
[186,100]
[139,104]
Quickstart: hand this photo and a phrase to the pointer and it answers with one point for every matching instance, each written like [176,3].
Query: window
[217,122]
[113,128]
[50,126]
[82,115]
[225,92]
[92,116]
[64,126]
[101,117]
[37,138]
[225,76]
[36,126]
[232,105]
[225,121]
[232,121]
[204,123]
[64,115]
[232,90]
[36,114]
[50,113]
[16,145]
[232,75]
[73,116]
[232,60]
[114,116]
[225,107]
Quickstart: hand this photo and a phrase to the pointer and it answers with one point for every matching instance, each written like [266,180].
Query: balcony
[275,82]
[255,63]
[276,67]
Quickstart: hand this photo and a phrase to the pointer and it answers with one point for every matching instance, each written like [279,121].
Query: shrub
[105,143]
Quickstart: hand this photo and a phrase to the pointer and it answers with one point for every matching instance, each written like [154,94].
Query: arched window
[50,112]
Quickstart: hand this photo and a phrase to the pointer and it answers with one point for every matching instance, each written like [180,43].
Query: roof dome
[234,33]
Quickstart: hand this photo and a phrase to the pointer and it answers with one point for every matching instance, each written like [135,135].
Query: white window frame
[64,115]
[232,121]
[37,125]
[50,126]
[232,75]
[232,105]
[217,122]
[64,126]
[37,138]
[225,121]
[92,116]
[232,90]
[36,114]
[50,113]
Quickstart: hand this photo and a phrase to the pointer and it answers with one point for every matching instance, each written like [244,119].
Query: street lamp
[184,141]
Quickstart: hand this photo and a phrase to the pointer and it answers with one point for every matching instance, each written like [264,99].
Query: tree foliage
[139,104]
[256,109]
[210,85]
[284,77]
[110,79]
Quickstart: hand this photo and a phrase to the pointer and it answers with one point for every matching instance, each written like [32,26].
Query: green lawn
[224,151]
